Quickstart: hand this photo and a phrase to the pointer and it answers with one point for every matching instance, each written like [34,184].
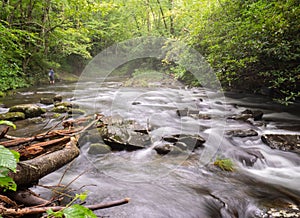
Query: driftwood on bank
[27,198]
[30,171]
[40,155]
[39,210]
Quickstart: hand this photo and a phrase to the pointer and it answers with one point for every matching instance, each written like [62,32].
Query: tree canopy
[253,45]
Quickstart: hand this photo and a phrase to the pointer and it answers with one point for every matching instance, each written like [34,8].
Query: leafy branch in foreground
[74,210]
[8,162]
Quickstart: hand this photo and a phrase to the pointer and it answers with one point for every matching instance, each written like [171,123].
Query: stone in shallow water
[57,98]
[187,112]
[67,104]
[282,142]
[46,101]
[60,109]
[242,133]
[76,111]
[194,139]
[191,141]
[98,148]
[12,116]
[256,114]
[164,149]
[30,110]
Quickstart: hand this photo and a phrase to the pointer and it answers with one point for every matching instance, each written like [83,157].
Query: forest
[252,45]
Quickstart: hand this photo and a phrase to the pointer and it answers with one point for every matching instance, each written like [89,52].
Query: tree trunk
[30,171]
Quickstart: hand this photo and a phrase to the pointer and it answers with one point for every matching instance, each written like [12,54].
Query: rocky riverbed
[158,146]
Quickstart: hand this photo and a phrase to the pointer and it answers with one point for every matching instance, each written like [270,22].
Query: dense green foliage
[253,45]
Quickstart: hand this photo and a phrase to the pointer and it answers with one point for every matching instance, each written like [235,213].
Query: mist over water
[178,186]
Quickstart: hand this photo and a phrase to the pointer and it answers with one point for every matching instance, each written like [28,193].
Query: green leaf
[81,196]
[8,123]
[58,214]
[8,183]
[8,158]
[78,211]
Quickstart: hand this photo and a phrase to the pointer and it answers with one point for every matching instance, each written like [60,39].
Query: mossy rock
[98,148]
[60,109]
[12,116]
[46,101]
[57,98]
[76,111]
[67,104]
[30,110]
[56,115]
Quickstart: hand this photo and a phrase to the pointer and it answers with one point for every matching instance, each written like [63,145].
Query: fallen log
[38,148]
[39,210]
[16,141]
[30,171]
[27,198]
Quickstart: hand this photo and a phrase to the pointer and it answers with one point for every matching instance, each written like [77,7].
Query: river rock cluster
[24,111]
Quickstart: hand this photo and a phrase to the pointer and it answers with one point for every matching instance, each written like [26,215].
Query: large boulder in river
[12,116]
[122,134]
[30,110]
[283,142]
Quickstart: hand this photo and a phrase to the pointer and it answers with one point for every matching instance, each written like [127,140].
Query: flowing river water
[177,186]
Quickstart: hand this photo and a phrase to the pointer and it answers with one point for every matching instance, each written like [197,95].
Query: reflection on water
[177,186]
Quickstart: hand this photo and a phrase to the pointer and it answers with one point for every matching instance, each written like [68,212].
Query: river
[170,186]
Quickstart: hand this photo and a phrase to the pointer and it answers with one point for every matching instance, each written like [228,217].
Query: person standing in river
[51,76]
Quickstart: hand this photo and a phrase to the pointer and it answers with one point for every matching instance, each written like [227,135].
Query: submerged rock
[183,141]
[66,104]
[98,148]
[242,117]
[170,149]
[247,114]
[163,149]
[60,109]
[283,142]
[12,116]
[187,112]
[242,133]
[30,110]
[76,111]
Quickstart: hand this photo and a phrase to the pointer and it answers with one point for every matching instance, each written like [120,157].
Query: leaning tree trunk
[30,171]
